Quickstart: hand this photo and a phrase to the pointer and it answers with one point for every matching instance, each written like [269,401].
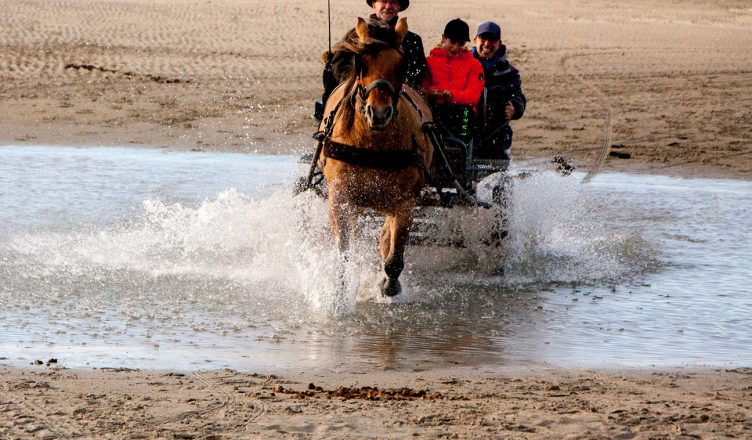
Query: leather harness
[378,159]
[365,157]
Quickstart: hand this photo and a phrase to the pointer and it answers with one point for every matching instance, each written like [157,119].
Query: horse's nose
[379,116]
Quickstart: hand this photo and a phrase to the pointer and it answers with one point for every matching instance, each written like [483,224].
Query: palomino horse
[375,151]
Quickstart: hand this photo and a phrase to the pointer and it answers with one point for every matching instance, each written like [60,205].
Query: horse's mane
[381,36]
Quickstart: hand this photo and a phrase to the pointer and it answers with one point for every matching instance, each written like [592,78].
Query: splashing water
[277,238]
[210,255]
[559,234]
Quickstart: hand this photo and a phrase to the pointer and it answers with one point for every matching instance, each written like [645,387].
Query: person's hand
[440,96]
[432,95]
[509,111]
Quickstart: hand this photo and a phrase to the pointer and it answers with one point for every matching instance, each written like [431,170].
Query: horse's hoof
[390,288]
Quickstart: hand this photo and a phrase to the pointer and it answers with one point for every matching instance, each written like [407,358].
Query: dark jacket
[503,84]
[342,62]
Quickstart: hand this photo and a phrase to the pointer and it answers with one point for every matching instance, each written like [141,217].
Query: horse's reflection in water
[375,153]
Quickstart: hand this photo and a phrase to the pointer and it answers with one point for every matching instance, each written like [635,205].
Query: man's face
[486,45]
[386,10]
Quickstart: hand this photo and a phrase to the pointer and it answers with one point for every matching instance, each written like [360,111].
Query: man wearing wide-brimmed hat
[340,61]
[412,44]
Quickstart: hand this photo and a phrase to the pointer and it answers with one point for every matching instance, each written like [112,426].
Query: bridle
[362,92]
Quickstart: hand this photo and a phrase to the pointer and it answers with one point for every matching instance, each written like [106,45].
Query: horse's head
[379,70]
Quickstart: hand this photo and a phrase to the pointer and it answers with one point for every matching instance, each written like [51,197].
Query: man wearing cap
[502,99]
[340,62]
[454,82]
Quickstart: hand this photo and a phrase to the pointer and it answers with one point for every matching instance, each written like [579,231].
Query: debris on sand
[364,393]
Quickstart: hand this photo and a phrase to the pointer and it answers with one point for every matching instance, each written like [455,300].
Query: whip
[329,22]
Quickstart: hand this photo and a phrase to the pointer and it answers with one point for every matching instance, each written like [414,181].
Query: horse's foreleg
[394,238]
[385,239]
[340,218]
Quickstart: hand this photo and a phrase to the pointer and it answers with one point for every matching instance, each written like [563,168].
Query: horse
[375,153]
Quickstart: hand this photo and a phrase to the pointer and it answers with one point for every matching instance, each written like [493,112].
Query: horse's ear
[401,29]
[362,29]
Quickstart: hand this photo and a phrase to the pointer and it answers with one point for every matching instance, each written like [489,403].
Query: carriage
[380,151]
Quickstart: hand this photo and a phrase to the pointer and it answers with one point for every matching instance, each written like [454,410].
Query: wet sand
[242,76]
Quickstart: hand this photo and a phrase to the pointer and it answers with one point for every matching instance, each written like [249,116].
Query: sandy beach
[243,75]
[674,79]
[49,402]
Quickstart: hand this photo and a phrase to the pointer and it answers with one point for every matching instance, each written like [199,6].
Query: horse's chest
[371,188]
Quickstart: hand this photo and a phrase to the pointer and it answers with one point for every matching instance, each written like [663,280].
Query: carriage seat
[472,154]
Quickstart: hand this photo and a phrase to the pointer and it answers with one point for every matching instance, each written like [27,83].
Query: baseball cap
[489,27]
[457,30]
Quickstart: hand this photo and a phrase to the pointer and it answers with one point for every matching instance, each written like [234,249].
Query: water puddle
[151,259]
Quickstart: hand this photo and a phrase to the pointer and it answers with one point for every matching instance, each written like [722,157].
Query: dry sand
[237,75]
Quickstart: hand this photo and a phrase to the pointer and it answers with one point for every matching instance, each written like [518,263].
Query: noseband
[363,92]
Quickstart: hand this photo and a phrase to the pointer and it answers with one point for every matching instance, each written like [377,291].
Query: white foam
[559,234]
[280,247]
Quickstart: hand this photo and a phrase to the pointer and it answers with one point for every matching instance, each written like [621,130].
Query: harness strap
[381,83]
[410,101]
[321,137]
[383,160]
[367,158]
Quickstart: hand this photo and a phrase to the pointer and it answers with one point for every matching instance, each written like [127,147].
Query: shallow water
[151,259]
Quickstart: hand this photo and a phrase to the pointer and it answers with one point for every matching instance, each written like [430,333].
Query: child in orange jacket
[455,78]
